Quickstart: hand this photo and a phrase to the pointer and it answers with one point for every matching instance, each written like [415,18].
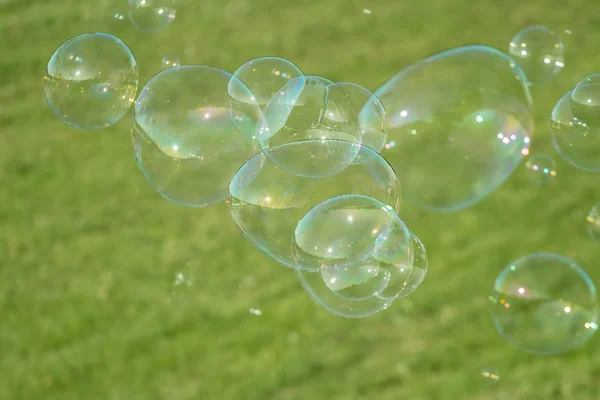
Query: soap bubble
[184,141]
[418,269]
[585,101]
[575,141]
[540,168]
[593,219]
[170,62]
[151,15]
[544,303]
[91,80]
[368,286]
[251,88]
[341,231]
[540,53]
[267,201]
[182,286]
[460,123]
[491,374]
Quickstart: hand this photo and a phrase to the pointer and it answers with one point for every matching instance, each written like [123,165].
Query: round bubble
[585,101]
[576,141]
[540,168]
[459,124]
[267,200]
[170,62]
[341,231]
[593,220]
[544,303]
[490,374]
[151,15]
[417,269]
[184,141]
[253,85]
[372,117]
[91,80]
[540,52]
[368,286]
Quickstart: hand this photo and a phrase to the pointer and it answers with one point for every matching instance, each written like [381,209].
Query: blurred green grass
[88,251]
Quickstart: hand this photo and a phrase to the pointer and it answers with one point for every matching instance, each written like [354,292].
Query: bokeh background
[89,252]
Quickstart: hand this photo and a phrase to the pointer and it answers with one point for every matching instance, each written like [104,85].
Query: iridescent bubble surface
[585,101]
[576,141]
[184,141]
[267,200]
[170,62]
[151,15]
[541,168]
[368,286]
[254,85]
[540,52]
[91,80]
[459,124]
[544,303]
[593,221]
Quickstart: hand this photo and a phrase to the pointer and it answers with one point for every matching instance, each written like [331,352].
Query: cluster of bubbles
[312,170]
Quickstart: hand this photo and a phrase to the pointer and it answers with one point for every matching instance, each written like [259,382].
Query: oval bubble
[267,201]
[151,15]
[252,87]
[540,52]
[459,124]
[574,140]
[91,80]
[184,141]
[544,303]
[585,101]
[541,168]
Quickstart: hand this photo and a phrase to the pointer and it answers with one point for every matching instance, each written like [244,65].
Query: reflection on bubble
[170,62]
[585,101]
[151,15]
[544,303]
[575,141]
[541,168]
[540,52]
[459,124]
[490,374]
[593,220]
[91,80]
[181,286]
[267,199]
[185,144]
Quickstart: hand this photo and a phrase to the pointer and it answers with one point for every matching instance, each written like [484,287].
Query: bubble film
[541,168]
[151,15]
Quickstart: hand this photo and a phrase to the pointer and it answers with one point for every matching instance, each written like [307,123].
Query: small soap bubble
[151,15]
[91,80]
[544,303]
[585,102]
[170,62]
[490,374]
[181,285]
[367,11]
[255,311]
[593,221]
[540,52]
[119,17]
[540,168]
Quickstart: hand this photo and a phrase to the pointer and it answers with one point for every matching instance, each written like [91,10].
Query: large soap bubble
[575,140]
[371,285]
[544,303]
[91,80]
[253,85]
[540,52]
[184,141]
[267,199]
[151,15]
[460,123]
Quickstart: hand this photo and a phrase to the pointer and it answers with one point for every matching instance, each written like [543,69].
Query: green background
[88,251]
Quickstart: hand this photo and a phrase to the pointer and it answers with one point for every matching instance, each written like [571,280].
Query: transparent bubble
[372,118]
[151,15]
[368,286]
[182,285]
[575,141]
[459,124]
[267,201]
[418,268]
[585,101]
[170,62]
[253,86]
[490,374]
[540,168]
[544,303]
[91,80]
[184,141]
[593,220]
[119,17]
[540,52]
